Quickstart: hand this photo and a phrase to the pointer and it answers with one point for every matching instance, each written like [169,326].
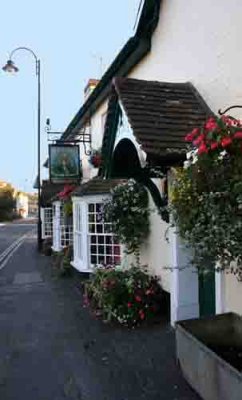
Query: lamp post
[11,68]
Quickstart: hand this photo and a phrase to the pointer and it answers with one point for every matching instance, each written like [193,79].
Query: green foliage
[128,296]
[206,200]
[68,208]
[128,212]
[7,202]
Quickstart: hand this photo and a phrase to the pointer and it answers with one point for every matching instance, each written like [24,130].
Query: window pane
[103,249]
[109,239]
[101,259]
[100,249]
[109,249]
[93,239]
[99,228]
[92,228]
[91,218]
[93,249]
[90,208]
[93,259]
[100,239]
[99,208]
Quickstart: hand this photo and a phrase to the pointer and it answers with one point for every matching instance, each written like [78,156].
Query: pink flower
[238,135]
[190,136]
[138,299]
[202,149]
[211,124]
[226,141]
[230,121]
[129,305]
[141,314]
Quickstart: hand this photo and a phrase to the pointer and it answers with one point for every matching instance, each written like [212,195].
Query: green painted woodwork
[207,294]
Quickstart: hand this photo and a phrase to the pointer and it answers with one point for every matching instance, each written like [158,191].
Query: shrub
[128,296]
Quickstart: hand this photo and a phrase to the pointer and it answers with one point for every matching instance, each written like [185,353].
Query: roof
[129,56]
[48,191]
[160,114]
[96,186]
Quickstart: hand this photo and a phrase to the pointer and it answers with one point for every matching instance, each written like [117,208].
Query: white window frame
[62,233]
[47,222]
[81,234]
[56,246]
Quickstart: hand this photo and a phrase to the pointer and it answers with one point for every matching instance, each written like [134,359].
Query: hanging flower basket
[95,159]
[206,195]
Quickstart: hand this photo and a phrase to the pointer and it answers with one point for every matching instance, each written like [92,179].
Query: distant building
[22,204]
[33,204]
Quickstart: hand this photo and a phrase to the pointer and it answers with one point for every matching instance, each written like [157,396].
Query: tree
[7,202]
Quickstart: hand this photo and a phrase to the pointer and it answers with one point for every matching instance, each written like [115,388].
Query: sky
[69,37]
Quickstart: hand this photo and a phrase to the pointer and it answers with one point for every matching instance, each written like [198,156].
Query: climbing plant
[128,212]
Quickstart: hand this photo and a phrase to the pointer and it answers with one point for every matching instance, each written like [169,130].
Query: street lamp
[11,68]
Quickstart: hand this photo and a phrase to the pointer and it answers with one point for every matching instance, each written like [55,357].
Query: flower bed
[128,296]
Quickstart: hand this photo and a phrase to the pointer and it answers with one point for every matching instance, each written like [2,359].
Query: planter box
[200,344]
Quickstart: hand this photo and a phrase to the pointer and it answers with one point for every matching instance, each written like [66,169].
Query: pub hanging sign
[64,163]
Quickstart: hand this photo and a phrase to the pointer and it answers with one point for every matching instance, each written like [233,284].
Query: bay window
[94,243]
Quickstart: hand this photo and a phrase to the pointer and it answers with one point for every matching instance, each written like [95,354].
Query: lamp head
[10,67]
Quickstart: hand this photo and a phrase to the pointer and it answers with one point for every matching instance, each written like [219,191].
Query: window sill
[81,268]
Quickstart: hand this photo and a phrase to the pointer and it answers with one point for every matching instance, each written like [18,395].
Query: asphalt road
[53,348]
[10,233]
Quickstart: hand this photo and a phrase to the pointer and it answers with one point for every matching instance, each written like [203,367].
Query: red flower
[214,145]
[202,149]
[129,305]
[141,314]
[138,299]
[96,160]
[190,136]
[226,141]
[64,194]
[211,124]
[238,135]
[199,140]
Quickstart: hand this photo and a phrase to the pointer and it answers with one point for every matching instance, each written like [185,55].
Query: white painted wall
[97,130]
[233,294]
[198,41]
[184,281]
[155,252]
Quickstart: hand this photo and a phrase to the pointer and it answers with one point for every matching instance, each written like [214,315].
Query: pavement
[52,348]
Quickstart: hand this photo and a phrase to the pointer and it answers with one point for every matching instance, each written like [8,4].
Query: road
[12,236]
[53,348]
